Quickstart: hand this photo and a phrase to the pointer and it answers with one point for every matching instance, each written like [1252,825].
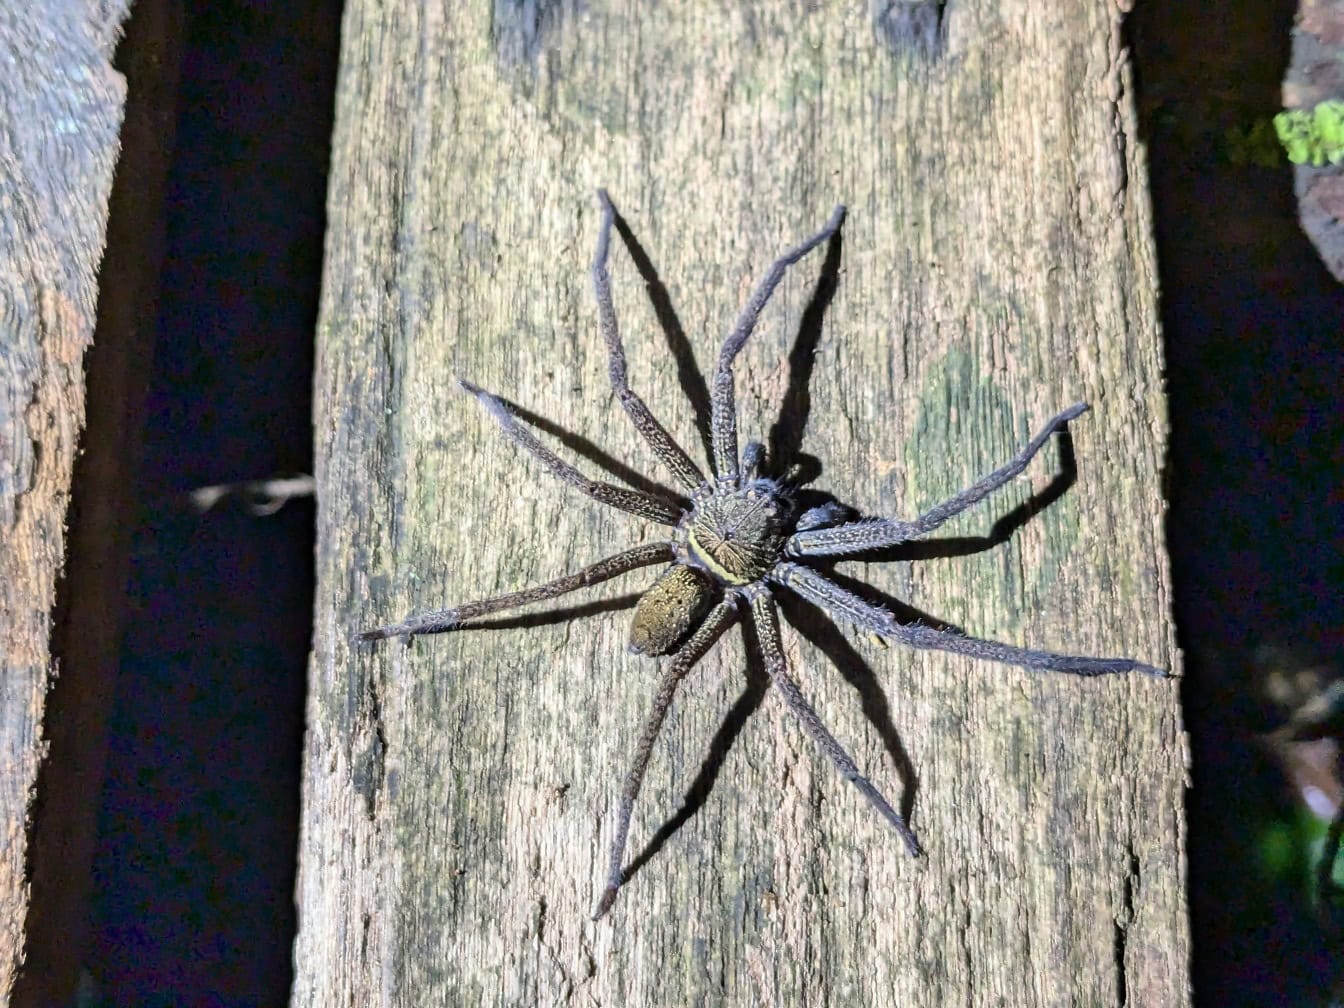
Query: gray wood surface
[60,109]
[996,265]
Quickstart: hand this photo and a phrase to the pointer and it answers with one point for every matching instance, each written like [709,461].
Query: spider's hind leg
[765,617]
[718,620]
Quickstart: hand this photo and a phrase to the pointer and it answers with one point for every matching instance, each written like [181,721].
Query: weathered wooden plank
[62,106]
[88,616]
[996,265]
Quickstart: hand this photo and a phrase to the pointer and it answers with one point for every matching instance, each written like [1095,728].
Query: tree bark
[996,265]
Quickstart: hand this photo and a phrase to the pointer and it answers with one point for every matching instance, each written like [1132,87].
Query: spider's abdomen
[737,537]
[668,611]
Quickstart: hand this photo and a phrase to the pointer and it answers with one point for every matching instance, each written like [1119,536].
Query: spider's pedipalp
[846,606]
[718,620]
[634,502]
[753,455]
[822,516]
[444,620]
[724,422]
[668,451]
[876,533]
[765,617]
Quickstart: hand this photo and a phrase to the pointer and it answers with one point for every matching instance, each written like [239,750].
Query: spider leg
[847,606]
[765,616]
[668,451]
[635,502]
[718,620]
[452,619]
[723,426]
[874,533]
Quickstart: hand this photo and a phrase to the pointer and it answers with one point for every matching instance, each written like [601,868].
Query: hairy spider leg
[668,451]
[636,502]
[874,533]
[765,617]
[845,605]
[718,620]
[723,425]
[443,620]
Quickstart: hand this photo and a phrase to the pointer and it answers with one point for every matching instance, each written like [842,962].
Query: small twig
[261,497]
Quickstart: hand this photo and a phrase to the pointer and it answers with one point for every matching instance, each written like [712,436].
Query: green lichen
[1313,136]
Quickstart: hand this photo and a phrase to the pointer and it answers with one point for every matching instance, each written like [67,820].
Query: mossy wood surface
[60,110]
[996,266]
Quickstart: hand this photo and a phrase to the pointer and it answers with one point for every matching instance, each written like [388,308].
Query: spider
[739,537]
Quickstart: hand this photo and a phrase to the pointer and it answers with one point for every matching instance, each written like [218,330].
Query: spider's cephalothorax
[729,539]
[738,543]
[736,536]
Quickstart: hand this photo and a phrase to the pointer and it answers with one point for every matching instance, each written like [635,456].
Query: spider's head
[736,536]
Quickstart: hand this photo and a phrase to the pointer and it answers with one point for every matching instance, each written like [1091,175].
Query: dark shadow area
[914,30]
[1254,329]
[785,441]
[688,374]
[193,868]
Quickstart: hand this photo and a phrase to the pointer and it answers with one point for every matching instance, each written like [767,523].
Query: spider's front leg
[724,420]
[876,533]
[670,453]
[765,617]
[718,620]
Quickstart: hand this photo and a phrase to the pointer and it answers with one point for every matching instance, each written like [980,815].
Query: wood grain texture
[62,106]
[996,265]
